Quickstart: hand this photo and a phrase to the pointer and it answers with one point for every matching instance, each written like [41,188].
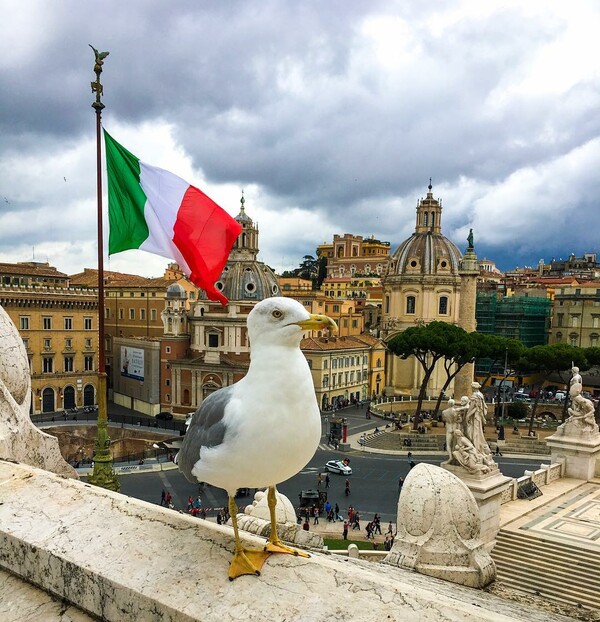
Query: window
[68,364]
[443,306]
[47,323]
[574,321]
[325,381]
[594,340]
[132,314]
[24,322]
[573,339]
[168,349]
[68,323]
[364,375]
[345,323]
[107,313]
[560,318]
[595,321]
[324,363]
[47,344]
[410,304]
[26,343]
[121,313]
[351,376]
[378,364]
[213,340]
[309,361]
[336,308]
[87,323]
[68,343]
[167,382]
[387,304]
[334,364]
[47,364]
[88,343]
[153,315]
[354,323]
[88,363]
[142,314]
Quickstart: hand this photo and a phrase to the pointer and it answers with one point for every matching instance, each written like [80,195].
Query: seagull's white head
[282,321]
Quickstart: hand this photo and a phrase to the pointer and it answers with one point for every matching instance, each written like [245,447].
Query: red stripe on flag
[204,233]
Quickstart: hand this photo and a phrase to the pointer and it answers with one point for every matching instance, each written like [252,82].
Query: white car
[337,466]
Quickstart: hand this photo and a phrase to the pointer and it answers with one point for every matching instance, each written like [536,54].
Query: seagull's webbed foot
[275,545]
[247,561]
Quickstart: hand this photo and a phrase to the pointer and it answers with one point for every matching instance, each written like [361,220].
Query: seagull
[263,429]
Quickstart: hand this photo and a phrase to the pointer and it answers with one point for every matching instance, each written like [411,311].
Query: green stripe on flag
[126,199]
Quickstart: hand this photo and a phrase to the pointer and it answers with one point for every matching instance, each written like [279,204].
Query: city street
[374,481]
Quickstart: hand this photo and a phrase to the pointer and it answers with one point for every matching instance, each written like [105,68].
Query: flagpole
[103,474]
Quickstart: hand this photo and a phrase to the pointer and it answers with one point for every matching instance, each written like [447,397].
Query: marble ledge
[123,559]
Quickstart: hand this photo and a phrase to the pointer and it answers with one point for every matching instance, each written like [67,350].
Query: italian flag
[156,211]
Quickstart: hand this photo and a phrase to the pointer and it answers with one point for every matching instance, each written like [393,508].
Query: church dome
[426,252]
[244,277]
[176,291]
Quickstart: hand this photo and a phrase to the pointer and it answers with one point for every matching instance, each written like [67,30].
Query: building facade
[59,327]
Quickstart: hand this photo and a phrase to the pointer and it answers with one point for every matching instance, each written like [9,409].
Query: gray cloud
[341,110]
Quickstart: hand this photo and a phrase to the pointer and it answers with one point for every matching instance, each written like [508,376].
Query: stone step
[573,590]
[554,564]
[556,570]
[518,538]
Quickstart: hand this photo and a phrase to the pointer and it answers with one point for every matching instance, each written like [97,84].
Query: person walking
[327,480]
[163,497]
[400,484]
[347,489]
[316,515]
[345,532]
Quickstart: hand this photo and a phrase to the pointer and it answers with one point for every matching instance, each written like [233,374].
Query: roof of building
[351,342]
[89,278]
[31,268]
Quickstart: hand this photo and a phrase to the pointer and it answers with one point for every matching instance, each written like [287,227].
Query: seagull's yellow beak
[317,322]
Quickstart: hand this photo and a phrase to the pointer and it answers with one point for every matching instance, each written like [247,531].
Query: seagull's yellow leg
[245,561]
[274,545]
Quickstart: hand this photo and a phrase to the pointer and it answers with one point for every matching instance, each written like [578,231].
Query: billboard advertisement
[132,363]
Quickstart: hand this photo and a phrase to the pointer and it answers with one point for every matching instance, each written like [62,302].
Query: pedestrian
[328,509]
[356,524]
[390,529]
[337,512]
[377,524]
[412,464]
[327,480]
[316,515]
[190,503]
[163,497]
[347,489]
[306,525]
[400,484]
[168,499]
[409,456]
[498,450]
[369,530]
[319,480]
[345,532]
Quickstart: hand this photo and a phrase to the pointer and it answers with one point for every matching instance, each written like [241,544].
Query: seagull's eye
[277,314]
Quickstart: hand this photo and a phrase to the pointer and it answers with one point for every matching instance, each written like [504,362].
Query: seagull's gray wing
[206,429]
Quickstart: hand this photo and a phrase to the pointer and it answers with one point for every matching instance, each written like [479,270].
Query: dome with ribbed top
[426,251]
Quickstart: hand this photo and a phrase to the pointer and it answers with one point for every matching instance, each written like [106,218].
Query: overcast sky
[331,115]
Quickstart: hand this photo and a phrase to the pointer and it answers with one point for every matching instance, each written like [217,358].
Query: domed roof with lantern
[426,252]
[244,277]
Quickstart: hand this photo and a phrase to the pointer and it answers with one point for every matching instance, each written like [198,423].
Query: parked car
[337,466]
[165,416]
[521,397]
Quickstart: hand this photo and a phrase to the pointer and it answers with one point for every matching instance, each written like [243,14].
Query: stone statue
[465,438]
[470,238]
[576,383]
[467,455]
[20,440]
[453,418]
[582,414]
[439,528]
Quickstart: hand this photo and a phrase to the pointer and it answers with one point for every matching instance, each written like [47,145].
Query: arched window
[573,339]
[387,304]
[340,252]
[443,305]
[433,219]
[425,218]
[411,304]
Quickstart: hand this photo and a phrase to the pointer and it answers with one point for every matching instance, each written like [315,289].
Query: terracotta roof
[89,278]
[352,342]
[31,268]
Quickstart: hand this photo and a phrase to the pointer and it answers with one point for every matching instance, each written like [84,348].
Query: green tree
[557,358]
[430,344]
